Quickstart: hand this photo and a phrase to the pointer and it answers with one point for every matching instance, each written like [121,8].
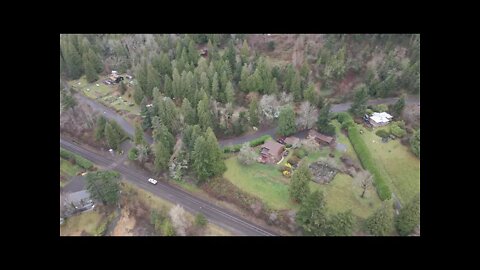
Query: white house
[380,119]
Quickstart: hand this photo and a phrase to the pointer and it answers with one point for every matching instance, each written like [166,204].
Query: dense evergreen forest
[238,82]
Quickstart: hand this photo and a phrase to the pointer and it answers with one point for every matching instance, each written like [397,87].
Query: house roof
[320,136]
[77,197]
[274,147]
[382,117]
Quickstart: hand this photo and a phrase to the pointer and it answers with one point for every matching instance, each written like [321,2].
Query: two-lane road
[213,213]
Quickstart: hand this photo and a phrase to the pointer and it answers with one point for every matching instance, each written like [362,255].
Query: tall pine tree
[409,217]
[286,121]
[253,113]
[359,105]
[229,93]
[299,185]
[204,114]
[90,72]
[111,136]
[312,215]
[162,157]
[208,161]
[139,140]
[189,117]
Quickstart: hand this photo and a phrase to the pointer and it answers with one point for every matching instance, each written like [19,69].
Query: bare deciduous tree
[307,115]
[286,98]
[247,155]
[142,153]
[269,107]
[365,180]
[179,219]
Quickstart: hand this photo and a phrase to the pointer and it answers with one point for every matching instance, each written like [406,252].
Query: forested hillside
[233,85]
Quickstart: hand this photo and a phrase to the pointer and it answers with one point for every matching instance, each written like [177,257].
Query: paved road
[213,213]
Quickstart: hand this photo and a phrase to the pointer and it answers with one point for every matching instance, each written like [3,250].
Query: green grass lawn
[106,94]
[342,194]
[68,169]
[261,180]
[266,182]
[314,156]
[401,167]
[90,222]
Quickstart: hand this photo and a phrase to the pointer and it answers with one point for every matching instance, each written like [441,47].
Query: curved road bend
[213,213]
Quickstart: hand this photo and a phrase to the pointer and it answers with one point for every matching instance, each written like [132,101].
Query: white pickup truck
[153,181]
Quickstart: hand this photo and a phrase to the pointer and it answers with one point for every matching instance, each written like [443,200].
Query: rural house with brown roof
[271,152]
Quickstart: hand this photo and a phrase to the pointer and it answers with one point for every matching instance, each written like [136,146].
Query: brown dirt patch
[125,224]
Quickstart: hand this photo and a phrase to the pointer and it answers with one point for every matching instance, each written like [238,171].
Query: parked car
[281,140]
[153,181]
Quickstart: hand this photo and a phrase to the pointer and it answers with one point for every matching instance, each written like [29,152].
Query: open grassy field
[107,94]
[401,167]
[261,180]
[266,182]
[343,194]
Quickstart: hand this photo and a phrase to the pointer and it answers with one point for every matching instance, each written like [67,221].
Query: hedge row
[260,140]
[80,161]
[236,147]
[232,148]
[367,161]
[345,119]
